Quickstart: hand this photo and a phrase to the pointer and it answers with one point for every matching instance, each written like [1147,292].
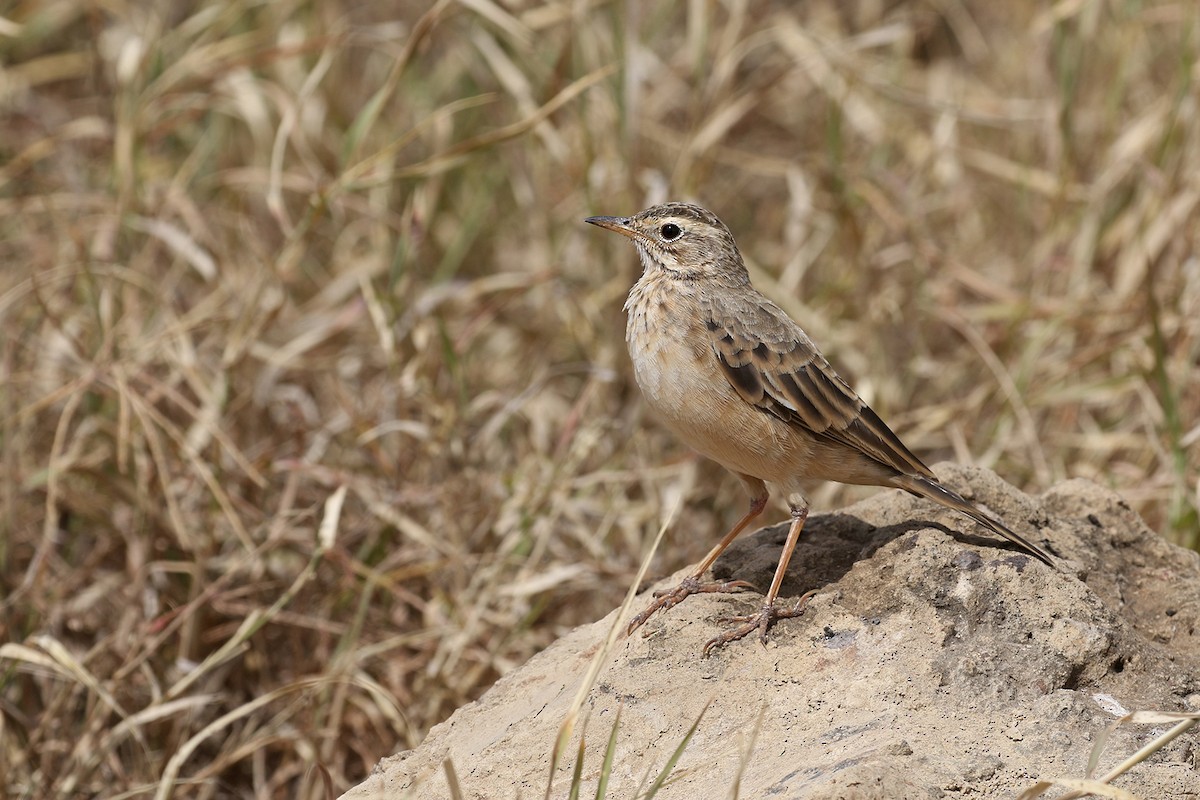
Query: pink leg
[691,584]
[769,611]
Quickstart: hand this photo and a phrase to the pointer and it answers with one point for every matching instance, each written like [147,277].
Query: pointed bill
[621,225]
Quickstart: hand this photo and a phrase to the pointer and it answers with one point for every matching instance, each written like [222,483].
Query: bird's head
[685,241]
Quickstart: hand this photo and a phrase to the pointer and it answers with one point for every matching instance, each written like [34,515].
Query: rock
[933,662]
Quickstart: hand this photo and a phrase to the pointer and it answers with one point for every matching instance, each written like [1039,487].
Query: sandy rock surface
[932,663]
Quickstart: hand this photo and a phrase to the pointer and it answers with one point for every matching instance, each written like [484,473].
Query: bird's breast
[672,360]
[678,373]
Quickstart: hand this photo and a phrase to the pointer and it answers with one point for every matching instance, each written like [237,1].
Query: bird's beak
[621,225]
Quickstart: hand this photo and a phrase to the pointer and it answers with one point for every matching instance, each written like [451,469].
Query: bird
[734,377]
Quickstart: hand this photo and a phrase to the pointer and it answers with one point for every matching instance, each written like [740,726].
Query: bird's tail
[933,490]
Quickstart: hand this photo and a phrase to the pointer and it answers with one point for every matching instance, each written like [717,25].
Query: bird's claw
[760,621]
[667,598]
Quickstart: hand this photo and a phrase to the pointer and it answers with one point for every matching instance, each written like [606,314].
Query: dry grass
[282,269]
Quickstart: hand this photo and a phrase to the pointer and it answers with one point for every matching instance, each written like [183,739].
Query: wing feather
[773,365]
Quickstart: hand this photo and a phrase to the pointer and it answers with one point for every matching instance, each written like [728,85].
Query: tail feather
[933,490]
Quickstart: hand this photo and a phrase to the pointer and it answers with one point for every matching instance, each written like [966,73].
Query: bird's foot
[673,597]
[760,621]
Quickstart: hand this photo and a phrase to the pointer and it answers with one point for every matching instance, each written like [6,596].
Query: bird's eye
[670,231]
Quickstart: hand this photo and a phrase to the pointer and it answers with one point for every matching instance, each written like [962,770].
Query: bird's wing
[773,365]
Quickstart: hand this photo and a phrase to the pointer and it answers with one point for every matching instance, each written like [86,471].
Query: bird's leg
[769,611]
[692,584]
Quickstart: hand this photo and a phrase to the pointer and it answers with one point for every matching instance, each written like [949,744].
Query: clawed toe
[693,585]
[668,598]
[760,621]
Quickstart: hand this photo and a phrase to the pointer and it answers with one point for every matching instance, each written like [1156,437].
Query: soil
[933,662]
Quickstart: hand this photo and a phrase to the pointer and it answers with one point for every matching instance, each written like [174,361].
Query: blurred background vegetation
[315,412]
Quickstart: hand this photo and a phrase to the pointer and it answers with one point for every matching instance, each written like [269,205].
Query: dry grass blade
[610,754]
[1005,381]
[132,723]
[1083,787]
[257,618]
[73,667]
[603,654]
[179,242]
[751,739]
[580,751]
[456,792]
[371,110]
[453,155]
[502,19]
[664,775]
[1183,723]
[167,785]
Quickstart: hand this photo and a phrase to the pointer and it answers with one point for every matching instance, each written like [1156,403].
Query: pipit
[733,376]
